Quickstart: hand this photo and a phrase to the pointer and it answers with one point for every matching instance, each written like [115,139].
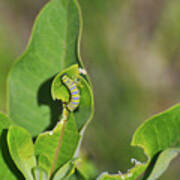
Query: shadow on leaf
[44,98]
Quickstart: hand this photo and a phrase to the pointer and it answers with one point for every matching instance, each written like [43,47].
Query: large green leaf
[54,45]
[47,143]
[8,170]
[155,136]
[22,150]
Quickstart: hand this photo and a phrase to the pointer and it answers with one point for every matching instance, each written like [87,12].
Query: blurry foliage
[131,49]
[168,32]
[8,47]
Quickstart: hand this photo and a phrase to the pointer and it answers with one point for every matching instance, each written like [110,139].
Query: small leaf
[65,171]
[58,90]
[5,160]
[85,110]
[22,150]
[47,143]
[163,162]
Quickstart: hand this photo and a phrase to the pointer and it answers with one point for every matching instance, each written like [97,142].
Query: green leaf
[58,90]
[39,174]
[47,144]
[65,171]
[8,170]
[85,110]
[163,161]
[22,150]
[53,46]
[132,174]
[160,134]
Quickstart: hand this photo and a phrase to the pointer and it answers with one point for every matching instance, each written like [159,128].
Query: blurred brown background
[131,49]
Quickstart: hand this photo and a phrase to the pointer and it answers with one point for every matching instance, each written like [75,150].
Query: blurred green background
[131,49]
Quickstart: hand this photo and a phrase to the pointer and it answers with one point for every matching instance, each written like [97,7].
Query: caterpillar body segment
[74,92]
